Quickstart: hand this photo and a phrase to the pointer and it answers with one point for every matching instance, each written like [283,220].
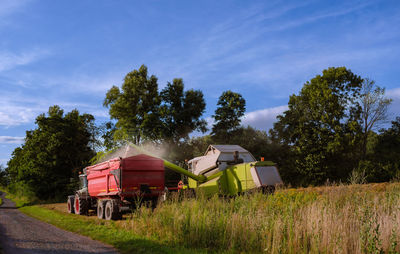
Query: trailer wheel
[112,211]
[80,205]
[70,204]
[100,209]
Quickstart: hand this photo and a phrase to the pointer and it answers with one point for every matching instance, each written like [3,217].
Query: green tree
[107,131]
[3,176]
[135,107]
[181,111]
[322,127]
[231,107]
[374,110]
[387,154]
[53,153]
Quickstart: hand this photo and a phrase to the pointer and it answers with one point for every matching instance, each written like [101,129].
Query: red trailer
[119,184]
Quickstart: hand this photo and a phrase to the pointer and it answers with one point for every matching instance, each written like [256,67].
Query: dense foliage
[143,114]
[231,107]
[322,126]
[135,106]
[52,154]
[329,132]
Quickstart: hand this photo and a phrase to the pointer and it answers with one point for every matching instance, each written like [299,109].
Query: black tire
[70,204]
[100,209]
[80,205]
[111,212]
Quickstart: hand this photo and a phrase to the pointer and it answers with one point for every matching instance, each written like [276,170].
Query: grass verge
[104,231]
[330,219]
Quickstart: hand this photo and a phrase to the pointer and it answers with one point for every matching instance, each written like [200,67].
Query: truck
[120,184]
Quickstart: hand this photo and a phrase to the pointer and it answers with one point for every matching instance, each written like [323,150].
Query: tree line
[329,132]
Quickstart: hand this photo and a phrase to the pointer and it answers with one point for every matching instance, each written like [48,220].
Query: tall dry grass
[331,219]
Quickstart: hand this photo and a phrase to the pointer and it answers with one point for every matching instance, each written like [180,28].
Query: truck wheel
[70,204]
[81,205]
[112,211]
[100,209]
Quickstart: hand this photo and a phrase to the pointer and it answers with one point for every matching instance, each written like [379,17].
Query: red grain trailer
[119,184]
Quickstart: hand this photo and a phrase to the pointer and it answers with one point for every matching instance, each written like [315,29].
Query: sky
[69,53]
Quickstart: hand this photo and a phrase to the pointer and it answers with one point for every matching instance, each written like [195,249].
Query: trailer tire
[80,205]
[112,210]
[100,209]
[70,204]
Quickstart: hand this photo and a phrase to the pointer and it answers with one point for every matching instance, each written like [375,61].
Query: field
[329,219]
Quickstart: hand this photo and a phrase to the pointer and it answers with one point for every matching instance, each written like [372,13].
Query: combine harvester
[120,183]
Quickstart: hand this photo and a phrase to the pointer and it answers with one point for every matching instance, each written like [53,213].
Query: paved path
[20,233]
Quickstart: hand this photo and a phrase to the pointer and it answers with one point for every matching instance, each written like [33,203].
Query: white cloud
[9,7]
[17,110]
[11,140]
[394,109]
[263,119]
[9,60]
[13,115]
[393,93]
[3,162]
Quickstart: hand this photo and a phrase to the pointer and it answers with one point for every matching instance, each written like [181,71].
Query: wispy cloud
[11,140]
[3,161]
[13,115]
[249,48]
[10,6]
[16,109]
[9,60]
[394,108]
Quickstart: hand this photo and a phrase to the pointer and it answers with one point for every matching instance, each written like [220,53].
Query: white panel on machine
[265,176]
[217,156]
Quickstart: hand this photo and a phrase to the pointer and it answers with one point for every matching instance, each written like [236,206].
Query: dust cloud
[130,150]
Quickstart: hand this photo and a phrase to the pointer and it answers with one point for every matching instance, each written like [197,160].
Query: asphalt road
[20,233]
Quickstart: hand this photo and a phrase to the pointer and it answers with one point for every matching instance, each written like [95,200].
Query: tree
[383,163]
[135,107]
[53,153]
[231,107]
[322,126]
[181,111]
[3,176]
[255,141]
[374,109]
[387,149]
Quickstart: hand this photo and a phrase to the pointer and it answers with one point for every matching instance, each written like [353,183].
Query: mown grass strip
[104,231]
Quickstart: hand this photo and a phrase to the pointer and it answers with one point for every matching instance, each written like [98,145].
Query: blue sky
[70,53]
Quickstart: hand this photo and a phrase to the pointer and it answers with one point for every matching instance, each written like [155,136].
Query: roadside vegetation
[331,132]
[329,219]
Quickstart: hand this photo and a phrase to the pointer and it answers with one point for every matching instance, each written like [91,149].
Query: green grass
[1,201]
[329,219]
[105,231]
[19,199]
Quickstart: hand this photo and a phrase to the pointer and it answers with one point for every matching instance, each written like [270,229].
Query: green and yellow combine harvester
[228,170]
